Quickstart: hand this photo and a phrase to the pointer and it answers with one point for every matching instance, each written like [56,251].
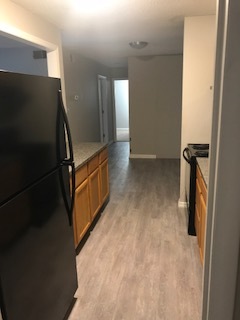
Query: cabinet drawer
[202,184]
[92,164]
[81,175]
[103,155]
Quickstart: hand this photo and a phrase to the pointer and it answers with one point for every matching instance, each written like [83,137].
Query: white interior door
[103,107]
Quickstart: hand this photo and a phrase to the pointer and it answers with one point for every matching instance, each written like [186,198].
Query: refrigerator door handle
[70,215]
[69,162]
[69,207]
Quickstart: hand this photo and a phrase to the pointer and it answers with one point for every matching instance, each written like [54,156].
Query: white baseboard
[122,129]
[182,204]
[142,156]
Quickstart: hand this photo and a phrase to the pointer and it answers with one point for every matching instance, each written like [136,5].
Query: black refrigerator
[37,256]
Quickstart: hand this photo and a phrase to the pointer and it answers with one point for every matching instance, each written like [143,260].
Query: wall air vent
[39,54]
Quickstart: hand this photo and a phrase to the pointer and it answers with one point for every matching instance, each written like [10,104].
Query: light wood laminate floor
[139,263]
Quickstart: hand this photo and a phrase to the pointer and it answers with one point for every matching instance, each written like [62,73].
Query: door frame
[102,109]
[114,109]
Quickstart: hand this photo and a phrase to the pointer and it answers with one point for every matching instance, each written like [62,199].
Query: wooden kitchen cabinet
[81,214]
[94,186]
[203,228]
[92,191]
[104,179]
[200,212]
[81,211]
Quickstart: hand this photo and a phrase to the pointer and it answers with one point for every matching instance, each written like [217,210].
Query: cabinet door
[82,217]
[104,180]
[203,227]
[198,212]
[94,192]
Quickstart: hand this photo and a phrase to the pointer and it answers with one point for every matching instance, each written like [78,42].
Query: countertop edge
[203,164]
[83,152]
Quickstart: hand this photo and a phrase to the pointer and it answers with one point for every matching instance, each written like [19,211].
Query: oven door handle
[187,155]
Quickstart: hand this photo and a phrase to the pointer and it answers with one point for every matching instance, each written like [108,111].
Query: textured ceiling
[103,32]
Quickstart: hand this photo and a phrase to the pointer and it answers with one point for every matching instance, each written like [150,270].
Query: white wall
[21,60]
[20,24]
[121,103]
[155,96]
[198,74]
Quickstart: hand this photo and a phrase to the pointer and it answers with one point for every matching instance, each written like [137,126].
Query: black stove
[190,154]
[201,153]
[198,146]
[198,150]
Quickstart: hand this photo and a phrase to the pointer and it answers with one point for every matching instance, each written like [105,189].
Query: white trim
[182,204]
[142,156]
[122,129]
[102,108]
[30,39]
[53,64]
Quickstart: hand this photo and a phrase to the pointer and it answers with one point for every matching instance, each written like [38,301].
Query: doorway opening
[121,103]
[46,54]
[22,57]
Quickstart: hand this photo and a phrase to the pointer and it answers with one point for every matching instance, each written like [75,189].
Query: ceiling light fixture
[138,44]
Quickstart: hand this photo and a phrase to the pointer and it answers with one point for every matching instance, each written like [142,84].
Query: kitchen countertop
[204,167]
[84,151]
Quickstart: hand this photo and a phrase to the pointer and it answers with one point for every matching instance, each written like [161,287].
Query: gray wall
[81,80]
[119,73]
[21,60]
[155,90]
[223,218]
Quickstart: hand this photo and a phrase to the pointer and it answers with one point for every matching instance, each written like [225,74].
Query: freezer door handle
[69,162]
[73,193]
[66,123]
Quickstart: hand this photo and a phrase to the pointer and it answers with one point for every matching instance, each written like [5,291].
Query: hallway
[139,263]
